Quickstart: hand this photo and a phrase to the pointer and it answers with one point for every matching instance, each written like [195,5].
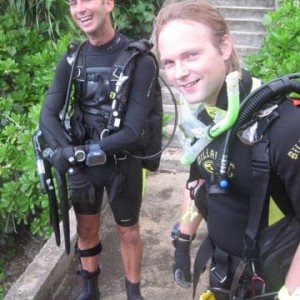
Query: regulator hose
[252,103]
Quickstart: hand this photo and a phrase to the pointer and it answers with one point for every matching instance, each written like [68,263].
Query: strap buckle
[120,156]
[220,278]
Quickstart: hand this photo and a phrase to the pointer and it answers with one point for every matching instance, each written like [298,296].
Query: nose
[181,70]
[80,7]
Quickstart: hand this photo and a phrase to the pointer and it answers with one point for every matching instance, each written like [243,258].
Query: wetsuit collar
[113,45]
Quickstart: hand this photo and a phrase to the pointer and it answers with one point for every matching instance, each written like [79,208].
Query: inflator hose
[251,104]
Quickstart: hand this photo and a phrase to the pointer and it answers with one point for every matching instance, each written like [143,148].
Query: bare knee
[88,227]
[129,235]
[85,232]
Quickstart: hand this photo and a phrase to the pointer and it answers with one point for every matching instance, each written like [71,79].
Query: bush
[135,17]
[51,18]
[27,61]
[279,55]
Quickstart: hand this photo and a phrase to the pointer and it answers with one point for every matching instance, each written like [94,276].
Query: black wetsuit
[227,214]
[121,175]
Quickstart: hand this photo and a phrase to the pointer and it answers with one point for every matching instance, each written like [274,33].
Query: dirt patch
[18,255]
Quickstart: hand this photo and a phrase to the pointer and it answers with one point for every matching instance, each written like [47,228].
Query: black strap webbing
[202,257]
[124,63]
[237,275]
[120,80]
[260,184]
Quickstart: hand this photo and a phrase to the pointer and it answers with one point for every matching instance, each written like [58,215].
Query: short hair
[197,11]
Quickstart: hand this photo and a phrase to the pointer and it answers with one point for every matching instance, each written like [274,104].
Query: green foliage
[27,63]
[279,54]
[51,17]
[135,17]
[2,278]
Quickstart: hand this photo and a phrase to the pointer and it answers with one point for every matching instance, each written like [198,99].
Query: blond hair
[197,11]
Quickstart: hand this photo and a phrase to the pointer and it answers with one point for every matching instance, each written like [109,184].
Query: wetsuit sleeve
[49,122]
[137,110]
[285,151]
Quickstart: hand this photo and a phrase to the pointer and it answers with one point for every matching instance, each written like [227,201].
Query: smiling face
[93,18]
[191,60]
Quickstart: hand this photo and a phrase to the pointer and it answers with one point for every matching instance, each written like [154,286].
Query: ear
[110,4]
[226,46]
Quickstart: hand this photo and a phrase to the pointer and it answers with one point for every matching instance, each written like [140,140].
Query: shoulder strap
[125,64]
[260,184]
[121,74]
[74,58]
[260,172]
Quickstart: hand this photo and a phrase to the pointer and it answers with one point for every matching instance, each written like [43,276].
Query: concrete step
[244,12]
[245,50]
[245,22]
[244,38]
[237,24]
[261,3]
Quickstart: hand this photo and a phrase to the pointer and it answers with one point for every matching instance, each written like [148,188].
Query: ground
[22,253]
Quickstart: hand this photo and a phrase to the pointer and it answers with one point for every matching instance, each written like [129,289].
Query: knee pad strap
[88,252]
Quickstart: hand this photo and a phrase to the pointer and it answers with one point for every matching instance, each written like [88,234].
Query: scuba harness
[119,89]
[277,243]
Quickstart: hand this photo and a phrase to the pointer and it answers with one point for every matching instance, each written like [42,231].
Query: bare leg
[88,227]
[131,251]
[88,249]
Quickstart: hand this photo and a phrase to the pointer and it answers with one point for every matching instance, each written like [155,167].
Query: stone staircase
[245,21]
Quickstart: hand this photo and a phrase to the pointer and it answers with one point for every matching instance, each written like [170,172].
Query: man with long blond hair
[196,50]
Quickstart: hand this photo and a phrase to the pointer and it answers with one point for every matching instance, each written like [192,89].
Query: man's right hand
[63,158]
[182,263]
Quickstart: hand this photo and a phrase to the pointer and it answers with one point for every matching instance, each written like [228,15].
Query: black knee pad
[88,252]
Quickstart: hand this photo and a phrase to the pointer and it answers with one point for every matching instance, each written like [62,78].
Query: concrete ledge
[46,271]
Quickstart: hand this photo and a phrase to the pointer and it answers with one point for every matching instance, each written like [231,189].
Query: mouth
[84,20]
[189,84]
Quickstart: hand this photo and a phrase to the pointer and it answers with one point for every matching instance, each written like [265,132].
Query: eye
[166,64]
[72,2]
[192,55]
